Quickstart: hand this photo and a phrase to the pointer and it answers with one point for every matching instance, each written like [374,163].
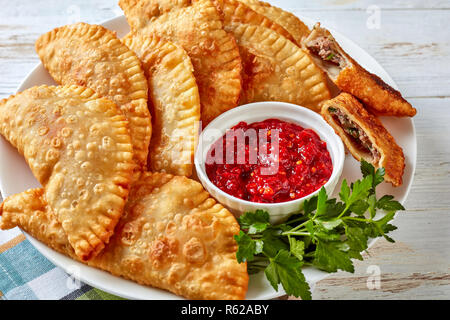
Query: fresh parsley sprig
[327,234]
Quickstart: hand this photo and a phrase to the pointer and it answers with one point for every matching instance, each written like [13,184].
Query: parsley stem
[355,219]
[343,212]
[295,233]
[297,227]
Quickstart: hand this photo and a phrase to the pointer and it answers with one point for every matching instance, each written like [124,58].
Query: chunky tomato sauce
[249,164]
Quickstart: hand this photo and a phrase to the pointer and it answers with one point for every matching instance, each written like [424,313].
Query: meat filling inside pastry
[365,136]
[349,76]
[355,133]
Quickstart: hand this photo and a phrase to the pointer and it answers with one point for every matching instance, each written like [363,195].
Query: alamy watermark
[374,279]
[239,146]
[374,20]
[73,282]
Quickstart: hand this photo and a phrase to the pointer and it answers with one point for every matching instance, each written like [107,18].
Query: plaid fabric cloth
[25,274]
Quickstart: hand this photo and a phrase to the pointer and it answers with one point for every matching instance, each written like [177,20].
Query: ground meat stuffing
[323,47]
[356,132]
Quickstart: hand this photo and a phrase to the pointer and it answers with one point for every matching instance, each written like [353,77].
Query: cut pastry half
[349,76]
[365,136]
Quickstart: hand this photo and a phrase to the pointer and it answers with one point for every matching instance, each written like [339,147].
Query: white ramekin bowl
[260,111]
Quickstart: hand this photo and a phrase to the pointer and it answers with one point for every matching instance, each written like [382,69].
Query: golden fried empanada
[139,12]
[365,136]
[92,56]
[172,236]
[349,76]
[198,29]
[287,20]
[275,69]
[238,12]
[175,103]
[79,148]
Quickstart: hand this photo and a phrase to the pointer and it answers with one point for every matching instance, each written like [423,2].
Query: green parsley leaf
[255,222]
[286,269]
[328,234]
[387,204]
[321,202]
[385,227]
[334,208]
[356,238]
[257,228]
[360,190]
[271,273]
[310,228]
[310,205]
[330,224]
[247,247]
[359,207]
[273,242]
[345,191]
[331,256]
[378,177]
[297,248]
[372,202]
[323,234]
[368,169]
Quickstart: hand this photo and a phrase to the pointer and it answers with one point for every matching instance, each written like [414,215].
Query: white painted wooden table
[411,39]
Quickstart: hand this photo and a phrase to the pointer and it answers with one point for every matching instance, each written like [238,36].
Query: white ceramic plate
[15,177]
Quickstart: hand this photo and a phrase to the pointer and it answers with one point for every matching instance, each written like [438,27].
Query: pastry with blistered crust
[287,20]
[275,69]
[237,12]
[175,103]
[365,136]
[172,236]
[198,29]
[349,76]
[139,12]
[92,56]
[78,147]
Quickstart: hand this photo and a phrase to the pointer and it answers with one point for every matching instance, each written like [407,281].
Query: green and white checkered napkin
[25,274]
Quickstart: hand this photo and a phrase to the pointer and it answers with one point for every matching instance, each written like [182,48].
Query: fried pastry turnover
[175,103]
[275,69]
[234,11]
[290,22]
[349,76]
[78,147]
[172,236]
[365,136]
[93,56]
[198,29]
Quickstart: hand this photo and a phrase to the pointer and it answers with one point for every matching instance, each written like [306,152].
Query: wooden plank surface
[412,45]
[411,39]
[417,266]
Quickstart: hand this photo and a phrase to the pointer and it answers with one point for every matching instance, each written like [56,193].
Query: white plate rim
[121,287]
